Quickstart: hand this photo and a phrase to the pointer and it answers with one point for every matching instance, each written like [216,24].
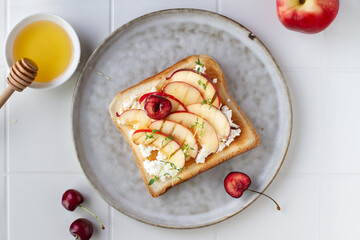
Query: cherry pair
[81,229]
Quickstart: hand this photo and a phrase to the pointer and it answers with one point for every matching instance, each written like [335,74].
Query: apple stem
[277,205]
[102,226]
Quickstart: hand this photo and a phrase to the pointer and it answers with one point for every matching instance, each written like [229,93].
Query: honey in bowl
[48,45]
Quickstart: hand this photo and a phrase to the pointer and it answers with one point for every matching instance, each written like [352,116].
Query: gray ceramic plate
[138,50]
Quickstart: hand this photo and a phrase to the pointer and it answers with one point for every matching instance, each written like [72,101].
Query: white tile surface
[36,211]
[343,37]
[3,222]
[290,49]
[2,31]
[340,208]
[305,151]
[49,147]
[2,84]
[298,219]
[140,7]
[2,127]
[89,18]
[131,231]
[342,117]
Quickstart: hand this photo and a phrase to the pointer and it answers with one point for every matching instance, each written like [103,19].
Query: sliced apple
[178,158]
[150,137]
[144,136]
[176,104]
[203,131]
[179,132]
[183,91]
[135,118]
[167,146]
[214,116]
[200,81]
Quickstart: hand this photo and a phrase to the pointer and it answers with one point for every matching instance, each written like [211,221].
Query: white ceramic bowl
[73,37]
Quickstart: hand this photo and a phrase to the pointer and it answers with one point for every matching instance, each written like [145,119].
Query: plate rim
[189,10]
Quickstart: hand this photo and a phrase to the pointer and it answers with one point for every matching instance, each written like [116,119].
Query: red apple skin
[307,16]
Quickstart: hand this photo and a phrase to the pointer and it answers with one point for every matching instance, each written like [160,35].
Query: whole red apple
[307,16]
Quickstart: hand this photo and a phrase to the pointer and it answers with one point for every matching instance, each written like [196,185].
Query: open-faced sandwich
[181,122]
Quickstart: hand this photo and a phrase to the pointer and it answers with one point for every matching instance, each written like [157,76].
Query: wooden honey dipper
[22,74]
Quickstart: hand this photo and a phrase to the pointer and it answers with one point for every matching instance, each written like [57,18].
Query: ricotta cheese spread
[146,150]
[234,132]
[228,113]
[160,156]
[160,169]
[132,103]
[202,154]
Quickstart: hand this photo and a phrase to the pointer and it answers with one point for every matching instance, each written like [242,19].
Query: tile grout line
[322,157]
[111,16]
[218,6]
[6,112]
[6,138]
[110,222]
[322,146]
[7,206]
[217,233]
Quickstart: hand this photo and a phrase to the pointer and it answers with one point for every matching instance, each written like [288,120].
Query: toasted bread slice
[247,140]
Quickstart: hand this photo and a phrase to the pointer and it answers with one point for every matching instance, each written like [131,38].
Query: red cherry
[71,199]
[157,107]
[236,183]
[82,229]
[165,95]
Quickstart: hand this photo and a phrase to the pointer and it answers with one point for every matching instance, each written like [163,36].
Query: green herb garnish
[148,136]
[168,138]
[156,178]
[151,135]
[198,67]
[185,149]
[202,84]
[199,63]
[199,125]
[209,101]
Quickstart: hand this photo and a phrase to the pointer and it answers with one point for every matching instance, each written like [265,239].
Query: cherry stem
[102,226]
[76,237]
[277,205]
